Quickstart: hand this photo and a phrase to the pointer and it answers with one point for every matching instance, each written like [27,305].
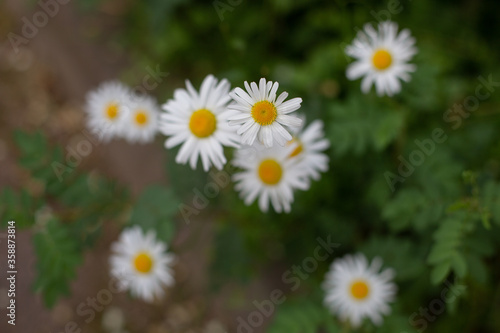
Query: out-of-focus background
[53,52]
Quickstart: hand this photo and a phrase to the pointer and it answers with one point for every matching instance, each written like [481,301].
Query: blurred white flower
[355,290]
[141,263]
[140,120]
[310,145]
[270,174]
[105,108]
[199,122]
[257,113]
[382,58]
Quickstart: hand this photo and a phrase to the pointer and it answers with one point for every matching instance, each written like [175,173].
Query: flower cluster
[113,110]
[276,156]
[275,152]
[273,173]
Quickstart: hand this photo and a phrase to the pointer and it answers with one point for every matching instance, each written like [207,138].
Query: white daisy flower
[310,144]
[258,113]
[355,290]
[270,174]
[140,120]
[382,58]
[199,122]
[141,263]
[105,109]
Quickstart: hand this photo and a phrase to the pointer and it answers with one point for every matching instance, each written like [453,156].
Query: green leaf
[81,201]
[490,198]
[77,193]
[231,259]
[447,253]
[57,258]
[407,252]
[459,265]
[154,210]
[39,158]
[416,92]
[412,207]
[30,143]
[397,321]
[184,180]
[19,207]
[440,272]
[388,128]
[359,125]
[440,175]
[437,255]
[302,316]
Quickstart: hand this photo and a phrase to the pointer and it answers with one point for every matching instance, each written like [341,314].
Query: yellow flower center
[112,110]
[202,123]
[141,118]
[297,149]
[360,289]
[382,59]
[270,172]
[143,262]
[264,113]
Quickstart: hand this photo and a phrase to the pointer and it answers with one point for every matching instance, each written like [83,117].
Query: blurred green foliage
[58,257]
[66,208]
[154,210]
[69,209]
[305,316]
